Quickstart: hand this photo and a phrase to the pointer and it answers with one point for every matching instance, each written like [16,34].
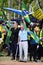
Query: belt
[23,40]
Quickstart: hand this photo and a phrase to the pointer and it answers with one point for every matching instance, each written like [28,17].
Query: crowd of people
[21,44]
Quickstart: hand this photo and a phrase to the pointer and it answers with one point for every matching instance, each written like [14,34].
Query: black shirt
[14,36]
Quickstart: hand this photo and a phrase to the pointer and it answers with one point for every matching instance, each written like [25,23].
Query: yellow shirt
[1,30]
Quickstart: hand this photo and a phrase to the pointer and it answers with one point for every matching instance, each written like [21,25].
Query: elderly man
[23,44]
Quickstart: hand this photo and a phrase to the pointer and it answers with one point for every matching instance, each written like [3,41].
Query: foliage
[16,4]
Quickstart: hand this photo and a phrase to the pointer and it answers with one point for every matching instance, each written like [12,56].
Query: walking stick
[16,53]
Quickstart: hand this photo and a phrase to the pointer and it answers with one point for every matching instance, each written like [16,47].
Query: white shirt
[23,34]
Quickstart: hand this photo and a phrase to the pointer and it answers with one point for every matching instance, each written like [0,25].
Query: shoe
[24,60]
[42,61]
[35,60]
[38,60]
[13,59]
[31,60]
[7,55]
[20,60]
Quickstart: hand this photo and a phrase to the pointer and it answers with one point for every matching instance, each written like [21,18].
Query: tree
[10,4]
[40,3]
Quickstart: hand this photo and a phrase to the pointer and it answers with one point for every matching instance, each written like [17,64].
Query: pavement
[7,61]
[19,63]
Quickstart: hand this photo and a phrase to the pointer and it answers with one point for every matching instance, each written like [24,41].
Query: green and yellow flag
[24,12]
[41,36]
[33,35]
[37,12]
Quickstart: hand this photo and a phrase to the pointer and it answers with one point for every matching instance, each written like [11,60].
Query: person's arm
[18,39]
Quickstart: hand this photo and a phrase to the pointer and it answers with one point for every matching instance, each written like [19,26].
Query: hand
[18,43]
[37,46]
[31,23]
[40,38]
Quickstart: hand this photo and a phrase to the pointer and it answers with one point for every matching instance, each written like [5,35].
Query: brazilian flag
[9,32]
[33,35]
[41,35]
[25,15]
[8,37]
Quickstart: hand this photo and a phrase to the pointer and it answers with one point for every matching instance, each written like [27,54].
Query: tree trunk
[19,7]
[37,3]
[30,8]
[10,5]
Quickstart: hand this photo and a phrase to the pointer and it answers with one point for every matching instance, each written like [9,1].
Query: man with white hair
[23,44]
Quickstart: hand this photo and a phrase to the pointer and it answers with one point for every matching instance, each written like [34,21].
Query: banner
[37,13]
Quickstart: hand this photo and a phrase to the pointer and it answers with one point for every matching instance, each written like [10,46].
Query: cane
[16,53]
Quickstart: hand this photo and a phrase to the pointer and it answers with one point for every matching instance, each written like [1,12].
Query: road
[8,61]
